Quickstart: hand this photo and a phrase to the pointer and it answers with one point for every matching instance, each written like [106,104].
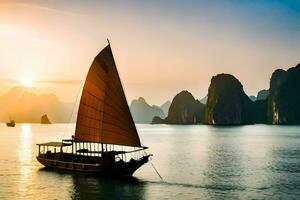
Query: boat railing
[87,152]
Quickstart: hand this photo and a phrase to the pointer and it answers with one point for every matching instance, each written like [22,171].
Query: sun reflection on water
[25,144]
[25,160]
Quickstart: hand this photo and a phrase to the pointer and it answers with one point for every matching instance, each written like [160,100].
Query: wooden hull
[10,124]
[115,169]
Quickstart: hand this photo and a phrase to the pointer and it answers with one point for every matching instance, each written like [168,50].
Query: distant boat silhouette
[45,120]
[106,140]
[11,123]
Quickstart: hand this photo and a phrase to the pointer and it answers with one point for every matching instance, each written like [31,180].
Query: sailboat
[106,140]
[11,123]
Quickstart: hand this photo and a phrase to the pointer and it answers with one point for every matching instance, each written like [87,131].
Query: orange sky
[160,48]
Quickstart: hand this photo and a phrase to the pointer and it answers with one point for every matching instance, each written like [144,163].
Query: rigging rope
[74,106]
[157,171]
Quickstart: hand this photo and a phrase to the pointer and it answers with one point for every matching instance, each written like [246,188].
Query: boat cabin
[52,147]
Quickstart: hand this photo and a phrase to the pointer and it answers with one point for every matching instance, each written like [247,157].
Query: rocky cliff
[185,109]
[45,120]
[284,96]
[259,111]
[227,102]
[277,78]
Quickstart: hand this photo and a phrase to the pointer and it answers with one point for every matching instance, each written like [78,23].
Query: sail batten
[103,114]
[109,112]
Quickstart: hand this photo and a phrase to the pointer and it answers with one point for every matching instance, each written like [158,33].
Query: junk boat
[106,140]
[11,123]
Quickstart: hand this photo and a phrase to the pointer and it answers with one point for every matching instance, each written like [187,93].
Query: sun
[26,82]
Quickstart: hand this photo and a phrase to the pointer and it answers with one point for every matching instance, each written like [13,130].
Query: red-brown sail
[103,114]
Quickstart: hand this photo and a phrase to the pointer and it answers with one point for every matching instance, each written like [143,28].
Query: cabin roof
[54,144]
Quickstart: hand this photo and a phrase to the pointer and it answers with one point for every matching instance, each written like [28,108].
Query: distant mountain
[142,112]
[157,120]
[203,100]
[252,98]
[165,107]
[227,102]
[262,95]
[284,96]
[184,109]
[24,105]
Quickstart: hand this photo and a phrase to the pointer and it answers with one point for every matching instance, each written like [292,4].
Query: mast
[102,146]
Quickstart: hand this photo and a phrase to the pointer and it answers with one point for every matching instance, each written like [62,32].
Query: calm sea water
[196,162]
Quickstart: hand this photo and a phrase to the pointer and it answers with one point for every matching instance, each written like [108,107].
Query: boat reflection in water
[87,186]
[106,140]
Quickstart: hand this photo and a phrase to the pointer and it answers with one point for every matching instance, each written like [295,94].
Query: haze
[160,47]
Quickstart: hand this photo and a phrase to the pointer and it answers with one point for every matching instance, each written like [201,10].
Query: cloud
[69,82]
[46,8]
[11,81]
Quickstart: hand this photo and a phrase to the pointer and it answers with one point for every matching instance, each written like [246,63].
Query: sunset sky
[160,47]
